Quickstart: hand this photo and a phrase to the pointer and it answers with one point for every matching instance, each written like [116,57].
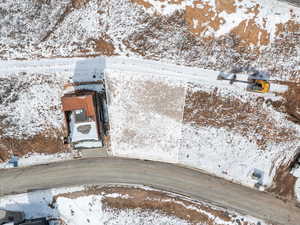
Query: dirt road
[163,176]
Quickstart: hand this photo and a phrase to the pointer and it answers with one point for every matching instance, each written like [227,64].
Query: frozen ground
[173,31]
[147,105]
[36,159]
[40,86]
[99,205]
[145,115]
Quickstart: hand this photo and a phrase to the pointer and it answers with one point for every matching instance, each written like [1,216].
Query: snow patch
[36,159]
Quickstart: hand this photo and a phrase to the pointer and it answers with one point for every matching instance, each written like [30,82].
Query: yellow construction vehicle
[261,86]
[257,81]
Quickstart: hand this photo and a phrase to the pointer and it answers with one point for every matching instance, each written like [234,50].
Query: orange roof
[70,103]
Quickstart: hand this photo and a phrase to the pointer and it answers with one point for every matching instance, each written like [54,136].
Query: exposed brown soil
[103,45]
[42,143]
[150,200]
[292,103]
[226,5]
[289,26]
[250,34]
[284,182]
[47,142]
[247,31]
[210,109]
[77,4]
[142,3]
[201,16]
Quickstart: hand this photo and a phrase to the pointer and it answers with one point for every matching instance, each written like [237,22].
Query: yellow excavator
[257,81]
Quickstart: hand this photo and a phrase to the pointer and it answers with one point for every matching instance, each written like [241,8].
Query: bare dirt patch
[200,19]
[142,3]
[210,109]
[284,182]
[157,40]
[292,103]
[201,16]
[152,200]
[77,4]
[290,26]
[250,34]
[103,46]
[42,143]
[226,5]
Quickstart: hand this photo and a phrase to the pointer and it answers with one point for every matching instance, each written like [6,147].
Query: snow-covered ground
[89,210]
[146,106]
[45,78]
[164,30]
[233,13]
[146,110]
[36,159]
[145,115]
[296,172]
[77,205]
[31,92]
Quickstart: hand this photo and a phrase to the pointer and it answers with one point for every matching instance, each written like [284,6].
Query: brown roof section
[71,102]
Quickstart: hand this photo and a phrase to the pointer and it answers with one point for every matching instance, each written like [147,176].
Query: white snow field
[146,104]
[146,113]
[89,209]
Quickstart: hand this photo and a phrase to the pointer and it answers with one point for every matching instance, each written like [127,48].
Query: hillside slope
[217,35]
[209,34]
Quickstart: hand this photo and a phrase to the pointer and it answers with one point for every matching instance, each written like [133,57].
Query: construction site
[209,85]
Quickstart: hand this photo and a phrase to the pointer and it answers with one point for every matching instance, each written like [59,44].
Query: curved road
[292,2]
[192,183]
